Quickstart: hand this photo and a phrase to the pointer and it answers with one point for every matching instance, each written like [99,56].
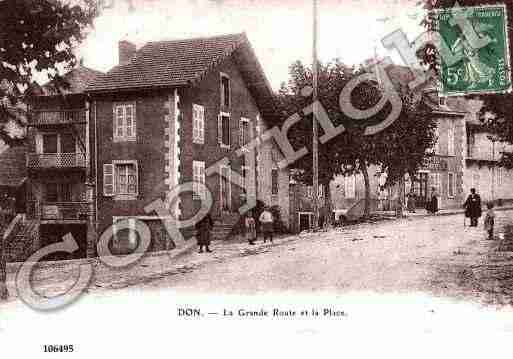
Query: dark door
[304,221]
[421,188]
[50,143]
[67,143]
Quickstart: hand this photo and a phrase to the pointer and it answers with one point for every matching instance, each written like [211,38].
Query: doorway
[421,189]
[304,221]
[225,190]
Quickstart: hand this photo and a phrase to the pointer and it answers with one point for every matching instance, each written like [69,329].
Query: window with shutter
[124,122]
[226,130]
[450,185]
[244,131]
[51,192]
[350,186]
[125,177]
[274,181]
[219,129]
[436,148]
[198,124]
[108,179]
[50,143]
[223,130]
[198,168]
[450,139]
[67,143]
[225,91]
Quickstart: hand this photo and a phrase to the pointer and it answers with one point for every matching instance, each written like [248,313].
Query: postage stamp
[478,41]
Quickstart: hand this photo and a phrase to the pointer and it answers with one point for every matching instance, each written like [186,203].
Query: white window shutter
[219,129]
[241,130]
[39,143]
[108,179]
[114,121]
[134,120]
[136,178]
[229,139]
[202,124]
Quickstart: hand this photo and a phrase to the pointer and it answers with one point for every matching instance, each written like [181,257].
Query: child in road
[489,220]
[266,221]
[250,225]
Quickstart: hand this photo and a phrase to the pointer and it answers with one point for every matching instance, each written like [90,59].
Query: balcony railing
[56,160]
[57,117]
[58,210]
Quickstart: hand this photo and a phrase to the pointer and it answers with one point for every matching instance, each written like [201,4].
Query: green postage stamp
[476,58]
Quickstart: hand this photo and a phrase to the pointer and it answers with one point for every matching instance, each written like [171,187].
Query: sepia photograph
[242,178]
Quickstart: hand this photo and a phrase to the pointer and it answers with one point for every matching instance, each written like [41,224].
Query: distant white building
[466,157]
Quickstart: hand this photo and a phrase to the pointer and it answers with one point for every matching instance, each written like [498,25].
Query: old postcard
[240,178]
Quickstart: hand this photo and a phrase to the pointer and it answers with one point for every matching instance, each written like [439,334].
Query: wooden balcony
[56,160]
[57,117]
[58,211]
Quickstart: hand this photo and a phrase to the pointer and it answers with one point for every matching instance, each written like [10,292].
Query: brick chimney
[126,51]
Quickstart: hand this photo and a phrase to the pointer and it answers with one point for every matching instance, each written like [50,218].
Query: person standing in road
[250,225]
[489,220]
[203,229]
[411,201]
[267,223]
[432,204]
[473,207]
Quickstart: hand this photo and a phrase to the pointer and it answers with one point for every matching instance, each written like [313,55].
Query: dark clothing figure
[203,228]
[432,203]
[489,222]
[321,221]
[411,202]
[473,208]
[250,226]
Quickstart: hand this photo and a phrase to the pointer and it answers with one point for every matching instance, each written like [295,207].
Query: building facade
[178,112]
[465,156]
[58,157]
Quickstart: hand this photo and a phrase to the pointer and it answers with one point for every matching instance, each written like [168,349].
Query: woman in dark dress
[432,203]
[473,207]
[203,229]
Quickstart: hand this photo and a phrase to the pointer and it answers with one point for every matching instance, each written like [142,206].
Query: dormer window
[225,91]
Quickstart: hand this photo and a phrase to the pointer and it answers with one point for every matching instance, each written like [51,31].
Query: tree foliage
[35,36]
[397,150]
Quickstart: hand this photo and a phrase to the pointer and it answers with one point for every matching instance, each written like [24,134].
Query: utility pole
[493,169]
[315,135]
[4,293]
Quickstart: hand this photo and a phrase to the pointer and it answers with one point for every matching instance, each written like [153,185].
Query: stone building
[464,157]
[179,111]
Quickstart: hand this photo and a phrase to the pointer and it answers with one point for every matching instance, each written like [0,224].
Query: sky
[279,31]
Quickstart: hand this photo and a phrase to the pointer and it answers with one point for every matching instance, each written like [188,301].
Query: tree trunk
[400,197]
[328,205]
[365,172]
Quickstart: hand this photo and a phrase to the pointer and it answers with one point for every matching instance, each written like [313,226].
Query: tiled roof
[169,63]
[77,79]
[13,169]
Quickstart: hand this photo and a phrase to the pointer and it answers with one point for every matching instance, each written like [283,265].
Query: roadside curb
[175,253]
[459,211]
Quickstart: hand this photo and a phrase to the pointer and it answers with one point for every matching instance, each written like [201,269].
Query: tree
[35,36]
[399,149]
